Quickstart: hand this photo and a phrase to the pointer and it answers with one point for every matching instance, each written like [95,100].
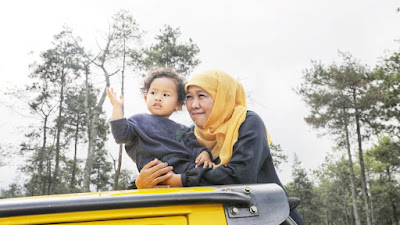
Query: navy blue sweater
[147,137]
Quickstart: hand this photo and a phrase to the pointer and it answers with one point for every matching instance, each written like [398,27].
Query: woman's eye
[188,97]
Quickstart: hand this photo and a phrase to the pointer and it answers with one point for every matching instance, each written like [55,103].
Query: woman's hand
[174,181]
[204,158]
[154,173]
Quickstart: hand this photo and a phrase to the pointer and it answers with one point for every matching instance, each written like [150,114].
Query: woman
[236,137]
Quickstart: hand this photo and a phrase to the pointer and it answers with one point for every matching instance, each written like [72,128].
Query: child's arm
[204,158]
[117,104]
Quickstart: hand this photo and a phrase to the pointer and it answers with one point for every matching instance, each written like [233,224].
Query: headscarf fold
[221,130]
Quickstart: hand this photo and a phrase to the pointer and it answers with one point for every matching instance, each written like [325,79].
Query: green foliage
[168,51]
[68,109]
[125,178]
[302,187]
[127,37]
[337,93]
[12,192]
[101,176]
[334,191]
[384,162]
[277,154]
[343,100]
[387,75]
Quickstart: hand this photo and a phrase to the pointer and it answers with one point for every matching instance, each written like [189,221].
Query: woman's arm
[174,181]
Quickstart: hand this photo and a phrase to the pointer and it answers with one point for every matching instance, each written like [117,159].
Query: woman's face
[199,104]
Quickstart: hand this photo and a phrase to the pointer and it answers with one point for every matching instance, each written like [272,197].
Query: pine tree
[341,98]
[168,51]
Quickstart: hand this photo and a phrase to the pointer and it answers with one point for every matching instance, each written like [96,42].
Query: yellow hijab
[221,130]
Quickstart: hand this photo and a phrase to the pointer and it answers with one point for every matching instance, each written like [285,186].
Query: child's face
[162,97]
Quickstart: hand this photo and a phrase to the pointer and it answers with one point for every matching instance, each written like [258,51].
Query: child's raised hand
[204,158]
[113,97]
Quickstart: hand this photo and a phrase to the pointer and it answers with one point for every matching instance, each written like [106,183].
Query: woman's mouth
[197,113]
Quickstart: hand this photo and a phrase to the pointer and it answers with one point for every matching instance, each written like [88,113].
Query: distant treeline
[358,107]
[66,96]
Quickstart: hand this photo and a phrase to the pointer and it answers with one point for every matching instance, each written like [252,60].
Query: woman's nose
[195,103]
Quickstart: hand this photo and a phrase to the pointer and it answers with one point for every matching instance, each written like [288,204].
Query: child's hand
[204,158]
[113,97]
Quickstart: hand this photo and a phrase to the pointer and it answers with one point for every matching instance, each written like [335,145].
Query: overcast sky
[266,44]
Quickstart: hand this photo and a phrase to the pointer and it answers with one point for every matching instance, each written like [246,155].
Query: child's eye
[166,95]
[152,92]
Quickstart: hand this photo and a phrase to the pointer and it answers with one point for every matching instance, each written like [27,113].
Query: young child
[149,136]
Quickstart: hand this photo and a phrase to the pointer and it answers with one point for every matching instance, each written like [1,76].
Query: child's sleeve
[123,130]
[192,144]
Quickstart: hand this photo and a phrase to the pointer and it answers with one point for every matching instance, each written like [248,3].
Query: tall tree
[41,96]
[102,168]
[168,51]
[323,90]
[303,188]
[42,104]
[385,160]
[106,62]
[342,97]
[128,36]
[334,190]
[60,65]
[76,123]
[388,75]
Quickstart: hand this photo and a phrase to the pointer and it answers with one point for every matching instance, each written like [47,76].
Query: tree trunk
[118,170]
[352,178]
[49,175]
[395,217]
[362,167]
[89,129]
[59,128]
[41,183]
[91,149]
[73,179]
[93,133]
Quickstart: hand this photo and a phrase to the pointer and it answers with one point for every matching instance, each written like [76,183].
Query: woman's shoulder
[252,116]
[253,120]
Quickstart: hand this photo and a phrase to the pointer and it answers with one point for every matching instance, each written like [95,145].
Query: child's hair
[168,73]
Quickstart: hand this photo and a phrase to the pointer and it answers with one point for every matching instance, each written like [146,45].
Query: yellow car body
[220,205]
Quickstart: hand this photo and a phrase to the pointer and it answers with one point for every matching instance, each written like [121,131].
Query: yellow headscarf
[221,130]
